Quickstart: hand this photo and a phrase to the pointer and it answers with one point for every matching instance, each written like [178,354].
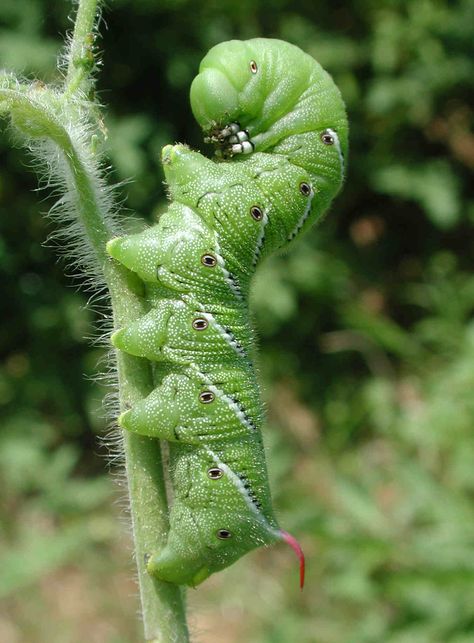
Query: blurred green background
[366,334]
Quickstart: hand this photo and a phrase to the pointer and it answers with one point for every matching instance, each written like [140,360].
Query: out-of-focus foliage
[366,328]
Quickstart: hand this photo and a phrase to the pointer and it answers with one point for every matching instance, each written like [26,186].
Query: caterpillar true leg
[237,143]
[230,140]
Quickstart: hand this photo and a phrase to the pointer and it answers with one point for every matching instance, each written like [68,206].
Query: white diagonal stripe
[300,223]
[261,238]
[231,403]
[226,336]
[337,143]
[239,485]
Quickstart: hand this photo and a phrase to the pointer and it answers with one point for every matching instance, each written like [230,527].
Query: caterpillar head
[283,99]
[252,82]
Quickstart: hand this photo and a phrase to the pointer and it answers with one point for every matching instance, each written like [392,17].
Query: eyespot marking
[327,137]
[206,397]
[305,188]
[256,213]
[215,473]
[253,67]
[208,260]
[200,324]
[223,534]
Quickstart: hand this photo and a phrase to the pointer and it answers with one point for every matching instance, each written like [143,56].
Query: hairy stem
[81,49]
[162,605]
[43,114]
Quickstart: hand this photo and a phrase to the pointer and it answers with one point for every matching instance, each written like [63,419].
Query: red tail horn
[294,544]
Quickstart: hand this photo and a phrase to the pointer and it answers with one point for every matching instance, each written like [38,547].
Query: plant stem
[162,605]
[163,611]
[81,49]
[37,116]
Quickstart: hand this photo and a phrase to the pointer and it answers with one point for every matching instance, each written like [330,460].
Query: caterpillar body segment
[282,99]
[279,120]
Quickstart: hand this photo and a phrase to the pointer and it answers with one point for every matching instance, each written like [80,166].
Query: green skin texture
[197,333]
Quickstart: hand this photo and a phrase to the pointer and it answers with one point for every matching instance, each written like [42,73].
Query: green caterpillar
[280,129]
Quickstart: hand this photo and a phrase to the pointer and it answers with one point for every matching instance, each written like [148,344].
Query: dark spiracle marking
[305,189]
[215,473]
[206,397]
[208,260]
[200,324]
[253,67]
[327,138]
[256,213]
[223,534]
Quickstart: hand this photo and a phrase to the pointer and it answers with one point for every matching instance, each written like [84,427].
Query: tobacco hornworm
[280,129]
